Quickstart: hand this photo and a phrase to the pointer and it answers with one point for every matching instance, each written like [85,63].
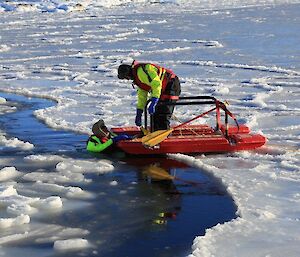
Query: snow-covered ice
[8,173]
[71,244]
[8,222]
[14,142]
[245,52]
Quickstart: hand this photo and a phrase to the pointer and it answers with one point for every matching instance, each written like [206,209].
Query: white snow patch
[19,209]
[55,177]
[15,143]
[222,90]
[8,173]
[241,66]
[113,183]
[68,191]
[44,233]
[7,190]
[44,158]
[84,166]
[51,203]
[19,204]
[4,48]
[67,171]
[10,222]
[2,100]
[71,244]
[13,238]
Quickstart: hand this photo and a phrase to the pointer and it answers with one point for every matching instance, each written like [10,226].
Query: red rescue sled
[186,138]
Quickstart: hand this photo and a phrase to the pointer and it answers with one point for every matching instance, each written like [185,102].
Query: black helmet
[99,128]
[124,71]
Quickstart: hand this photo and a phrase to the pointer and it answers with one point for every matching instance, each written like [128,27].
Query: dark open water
[124,220]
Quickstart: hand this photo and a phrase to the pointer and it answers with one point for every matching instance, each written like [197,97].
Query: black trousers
[162,115]
[163,112]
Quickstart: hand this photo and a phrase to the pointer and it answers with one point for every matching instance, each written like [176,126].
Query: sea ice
[71,244]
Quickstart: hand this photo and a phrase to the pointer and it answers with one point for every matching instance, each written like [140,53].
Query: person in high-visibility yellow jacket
[161,84]
[102,138]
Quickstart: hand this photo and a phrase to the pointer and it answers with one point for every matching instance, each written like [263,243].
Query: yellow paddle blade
[158,137]
[158,173]
[151,135]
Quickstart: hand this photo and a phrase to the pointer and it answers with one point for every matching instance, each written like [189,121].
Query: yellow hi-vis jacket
[150,78]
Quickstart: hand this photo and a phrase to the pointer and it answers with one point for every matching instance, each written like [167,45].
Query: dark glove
[118,138]
[152,105]
[138,117]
